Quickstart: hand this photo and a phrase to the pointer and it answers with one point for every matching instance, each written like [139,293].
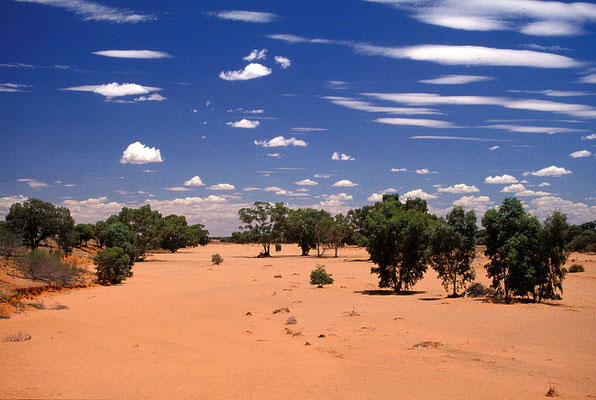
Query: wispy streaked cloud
[369,107]
[32,183]
[580,154]
[114,89]
[146,54]
[91,11]
[427,123]
[533,129]
[256,17]
[456,79]
[13,87]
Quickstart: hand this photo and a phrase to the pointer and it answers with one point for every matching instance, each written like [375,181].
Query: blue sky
[200,108]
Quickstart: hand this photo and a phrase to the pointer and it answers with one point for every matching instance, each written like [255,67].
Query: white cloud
[551,28]
[283,61]
[177,189]
[194,181]
[297,39]
[153,97]
[480,203]
[576,212]
[424,171]
[138,153]
[256,54]
[578,110]
[245,16]
[307,182]
[459,138]
[544,184]
[589,78]
[427,123]
[456,79]
[549,171]
[412,194]
[244,123]
[470,55]
[369,107]
[500,180]
[375,197]
[6,202]
[334,203]
[115,89]
[459,188]
[251,71]
[307,129]
[494,148]
[552,93]
[341,157]
[533,129]
[580,154]
[590,137]
[322,176]
[91,11]
[518,187]
[339,85]
[344,183]
[32,183]
[242,110]
[148,54]
[222,186]
[280,141]
[275,155]
[13,87]
[398,170]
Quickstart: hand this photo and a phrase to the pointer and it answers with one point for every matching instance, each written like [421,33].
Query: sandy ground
[179,329]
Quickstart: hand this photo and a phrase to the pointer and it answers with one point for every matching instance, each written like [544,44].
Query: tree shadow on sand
[389,292]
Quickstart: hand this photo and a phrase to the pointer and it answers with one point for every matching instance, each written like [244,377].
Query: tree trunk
[336,251]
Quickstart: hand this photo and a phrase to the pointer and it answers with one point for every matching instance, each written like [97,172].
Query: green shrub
[320,277]
[216,259]
[576,268]
[112,265]
[277,246]
[49,267]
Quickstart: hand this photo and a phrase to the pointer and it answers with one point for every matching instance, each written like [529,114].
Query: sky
[200,108]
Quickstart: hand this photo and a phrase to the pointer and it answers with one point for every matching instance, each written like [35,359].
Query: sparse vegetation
[477,289]
[319,276]
[49,267]
[576,268]
[216,259]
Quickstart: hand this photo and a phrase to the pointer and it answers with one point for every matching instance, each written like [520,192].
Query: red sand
[179,329]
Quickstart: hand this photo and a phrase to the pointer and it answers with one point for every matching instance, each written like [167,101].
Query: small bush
[320,277]
[48,267]
[576,268]
[477,289]
[216,259]
[112,265]
[277,246]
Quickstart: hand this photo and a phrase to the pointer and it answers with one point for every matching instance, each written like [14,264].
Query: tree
[113,265]
[397,244]
[321,228]
[10,242]
[513,247]
[85,233]
[197,235]
[35,220]
[300,228]
[338,230]
[174,233]
[550,274]
[145,225]
[66,236]
[266,222]
[118,235]
[452,248]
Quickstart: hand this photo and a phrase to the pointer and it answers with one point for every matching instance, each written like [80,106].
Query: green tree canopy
[35,220]
[266,222]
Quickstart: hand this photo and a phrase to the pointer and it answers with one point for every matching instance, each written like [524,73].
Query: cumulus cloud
[138,153]
[147,54]
[544,184]
[194,181]
[91,11]
[32,183]
[280,141]
[459,188]
[513,188]
[114,89]
[307,182]
[335,203]
[456,79]
[500,180]
[341,157]
[580,154]
[480,203]
[6,202]
[576,212]
[245,16]
[153,97]
[256,54]
[412,194]
[244,123]
[283,61]
[344,183]
[549,171]
[251,71]
[222,186]
[424,171]
[375,197]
